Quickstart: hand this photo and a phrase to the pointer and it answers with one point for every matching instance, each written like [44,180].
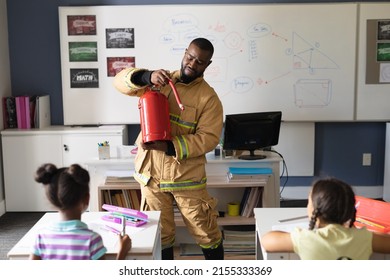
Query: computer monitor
[252,131]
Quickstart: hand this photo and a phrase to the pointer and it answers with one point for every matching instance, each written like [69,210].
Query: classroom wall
[5,80]
[36,69]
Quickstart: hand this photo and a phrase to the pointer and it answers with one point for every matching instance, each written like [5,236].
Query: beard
[186,78]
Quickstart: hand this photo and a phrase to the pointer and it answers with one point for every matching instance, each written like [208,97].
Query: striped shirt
[68,240]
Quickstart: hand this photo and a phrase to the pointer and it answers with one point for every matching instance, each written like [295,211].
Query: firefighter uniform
[182,178]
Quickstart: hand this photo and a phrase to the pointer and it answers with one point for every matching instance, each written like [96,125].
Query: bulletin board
[373,83]
[296,58]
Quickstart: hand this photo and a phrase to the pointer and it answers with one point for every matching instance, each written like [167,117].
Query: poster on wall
[84,78]
[81,25]
[378,52]
[83,51]
[117,38]
[116,64]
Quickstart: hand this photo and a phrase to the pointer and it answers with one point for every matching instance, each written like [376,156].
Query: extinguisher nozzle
[176,95]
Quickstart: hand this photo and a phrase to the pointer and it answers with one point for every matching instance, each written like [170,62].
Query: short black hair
[204,44]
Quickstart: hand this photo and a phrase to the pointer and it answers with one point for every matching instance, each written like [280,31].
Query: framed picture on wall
[81,25]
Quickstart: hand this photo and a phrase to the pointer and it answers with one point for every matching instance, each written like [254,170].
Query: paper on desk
[289,227]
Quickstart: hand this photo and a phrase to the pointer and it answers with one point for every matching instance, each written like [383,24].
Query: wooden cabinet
[25,150]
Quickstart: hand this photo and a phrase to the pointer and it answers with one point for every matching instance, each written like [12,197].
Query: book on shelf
[9,112]
[249,170]
[242,232]
[247,173]
[135,198]
[26,112]
[127,200]
[176,211]
[41,108]
[239,239]
[122,197]
[119,199]
[252,198]
[107,197]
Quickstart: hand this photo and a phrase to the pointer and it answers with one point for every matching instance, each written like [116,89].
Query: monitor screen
[252,131]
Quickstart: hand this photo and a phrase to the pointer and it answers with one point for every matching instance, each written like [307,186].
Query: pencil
[369,223]
[123,226]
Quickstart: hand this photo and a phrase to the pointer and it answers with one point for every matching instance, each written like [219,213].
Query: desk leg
[259,253]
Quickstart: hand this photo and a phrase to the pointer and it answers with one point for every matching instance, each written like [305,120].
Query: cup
[233,209]
[104,152]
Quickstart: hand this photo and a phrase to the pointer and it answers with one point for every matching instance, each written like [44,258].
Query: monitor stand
[252,156]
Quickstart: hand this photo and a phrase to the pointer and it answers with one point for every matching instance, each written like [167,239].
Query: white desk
[146,239]
[266,218]
[216,169]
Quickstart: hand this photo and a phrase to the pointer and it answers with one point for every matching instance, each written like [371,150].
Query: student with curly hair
[69,238]
[331,234]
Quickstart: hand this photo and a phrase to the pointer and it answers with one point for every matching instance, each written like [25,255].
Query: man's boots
[167,253]
[214,254]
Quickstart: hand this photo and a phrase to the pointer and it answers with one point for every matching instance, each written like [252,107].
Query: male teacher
[174,171]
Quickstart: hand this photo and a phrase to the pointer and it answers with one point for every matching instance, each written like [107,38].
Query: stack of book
[240,241]
[245,174]
[119,177]
[26,112]
[253,196]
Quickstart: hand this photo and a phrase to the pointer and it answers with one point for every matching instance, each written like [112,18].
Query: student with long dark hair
[331,234]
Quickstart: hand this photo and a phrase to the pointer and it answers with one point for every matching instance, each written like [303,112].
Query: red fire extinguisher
[154,115]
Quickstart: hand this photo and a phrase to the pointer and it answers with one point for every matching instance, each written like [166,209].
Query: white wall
[5,83]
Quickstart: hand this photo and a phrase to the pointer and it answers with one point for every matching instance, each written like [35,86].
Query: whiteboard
[297,58]
[372,101]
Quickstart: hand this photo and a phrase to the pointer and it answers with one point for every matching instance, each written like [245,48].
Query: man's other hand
[155,145]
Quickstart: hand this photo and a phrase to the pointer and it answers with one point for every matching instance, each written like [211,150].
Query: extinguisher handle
[176,95]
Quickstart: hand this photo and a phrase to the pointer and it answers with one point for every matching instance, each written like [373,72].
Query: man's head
[197,58]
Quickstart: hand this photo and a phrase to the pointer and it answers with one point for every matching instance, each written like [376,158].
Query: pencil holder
[233,209]
[104,152]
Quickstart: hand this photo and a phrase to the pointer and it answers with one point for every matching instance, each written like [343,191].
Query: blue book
[249,170]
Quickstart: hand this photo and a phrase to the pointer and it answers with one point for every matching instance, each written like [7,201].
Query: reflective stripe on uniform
[176,120]
[183,146]
[127,78]
[141,178]
[212,246]
[185,185]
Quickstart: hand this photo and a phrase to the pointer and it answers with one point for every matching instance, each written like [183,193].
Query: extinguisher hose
[176,95]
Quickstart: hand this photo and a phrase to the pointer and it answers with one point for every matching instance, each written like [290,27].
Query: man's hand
[160,77]
[156,145]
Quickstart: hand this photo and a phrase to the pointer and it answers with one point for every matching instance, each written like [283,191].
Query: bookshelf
[129,196]
[218,186]
[224,192]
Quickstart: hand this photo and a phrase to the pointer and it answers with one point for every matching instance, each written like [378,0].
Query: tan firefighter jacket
[195,132]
